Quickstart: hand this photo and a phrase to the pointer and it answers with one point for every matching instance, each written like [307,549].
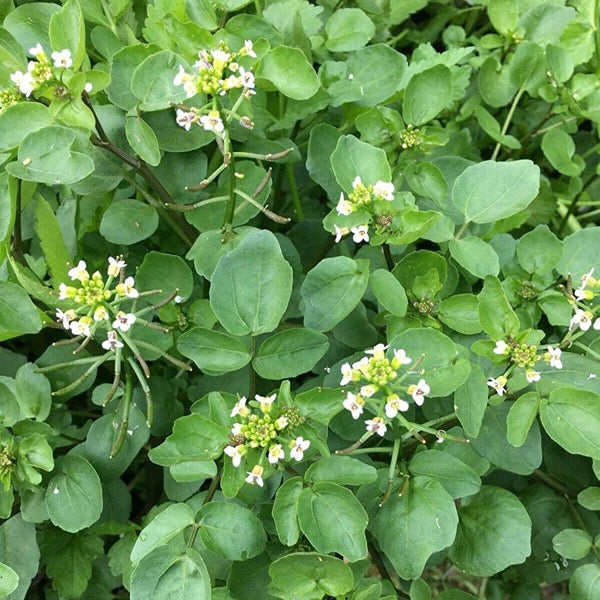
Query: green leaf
[231,531]
[585,583]
[539,251]
[348,29]
[571,417]
[521,417]
[285,511]
[169,572]
[409,528]
[320,404]
[331,291]
[309,576]
[46,156]
[29,23]
[573,544]
[456,477]
[9,580]
[476,256]
[19,120]
[8,208]
[352,158]
[142,139]
[504,15]
[18,314]
[333,520]
[494,532]
[471,400]
[289,353]
[461,313]
[389,292]
[496,315]
[164,527]
[67,30]
[33,393]
[251,285]
[580,253]
[51,240]
[492,443]
[128,222]
[289,72]
[74,494]
[166,272]
[489,191]
[426,95]
[152,81]
[559,148]
[321,144]
[489,124]
[343,470]
[589,498]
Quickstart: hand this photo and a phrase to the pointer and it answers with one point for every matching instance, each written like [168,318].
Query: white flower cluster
[584,317]
[379,376]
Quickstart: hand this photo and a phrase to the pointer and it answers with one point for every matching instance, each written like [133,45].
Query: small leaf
[128,222]
[475,255]
[18,314]
[389,292]
[285,511]
[142,139]
[348,29]
[573,544]
[426,95]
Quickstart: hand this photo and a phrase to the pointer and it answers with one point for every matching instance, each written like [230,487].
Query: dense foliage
[298,299]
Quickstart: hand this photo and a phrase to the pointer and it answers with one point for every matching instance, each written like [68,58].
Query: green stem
[509,116]
[462,229]
[597,35]
[389,259]
[589,351]
[574,202]
[391,471]
[126,408]
[252,390]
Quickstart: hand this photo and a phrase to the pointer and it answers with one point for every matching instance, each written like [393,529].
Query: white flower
[124,321]
[240,408]
[24,81]
[127,288]
[378,351]
[276,454]
[80,328]
[185,119]
[394,404]
[65,291]
[361,233]
[100,313]
[581,319]
[248,49]
[498,384]
[112,342]
[236,429]
[88,87]
[212,122]
[255,476]
[220,58]
[553,356]
[62,59]
[115,265]
[265,402]
[79,273]
[384,190]
[187,81]
[65,318]
[357,181]
[596,324]
[235,454]
[366,391]
[501,347]
[281,422]
[246,78]
[532,376]
[347,374]
[376,425]
[298,447]
[353,403]
[344,207]
[37,52]
[585,279]
[401,358]
[419,391]
[361,365]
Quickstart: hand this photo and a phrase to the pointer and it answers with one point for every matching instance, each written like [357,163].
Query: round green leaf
[288,70]
[489,191]
[521,417]
[251,285]
[348,29]
[343,470]
[142,139]
[333,520]
[128,222]
[496,315]
[409,528]
[590,498]
[470,401]
[580,253]
[331,291]
[389,292]
[585,583]
[426,95]
[494,532]
[29,23]
[310,575]
[18,314]
[285,511]
[475,256]
[461,313]
[571,417]
[573,544]
[231,531]
[74,494]
[558,147]
[289,353]
[539,251]
[168,573]
[166,272]
[17,121]
[9,580]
